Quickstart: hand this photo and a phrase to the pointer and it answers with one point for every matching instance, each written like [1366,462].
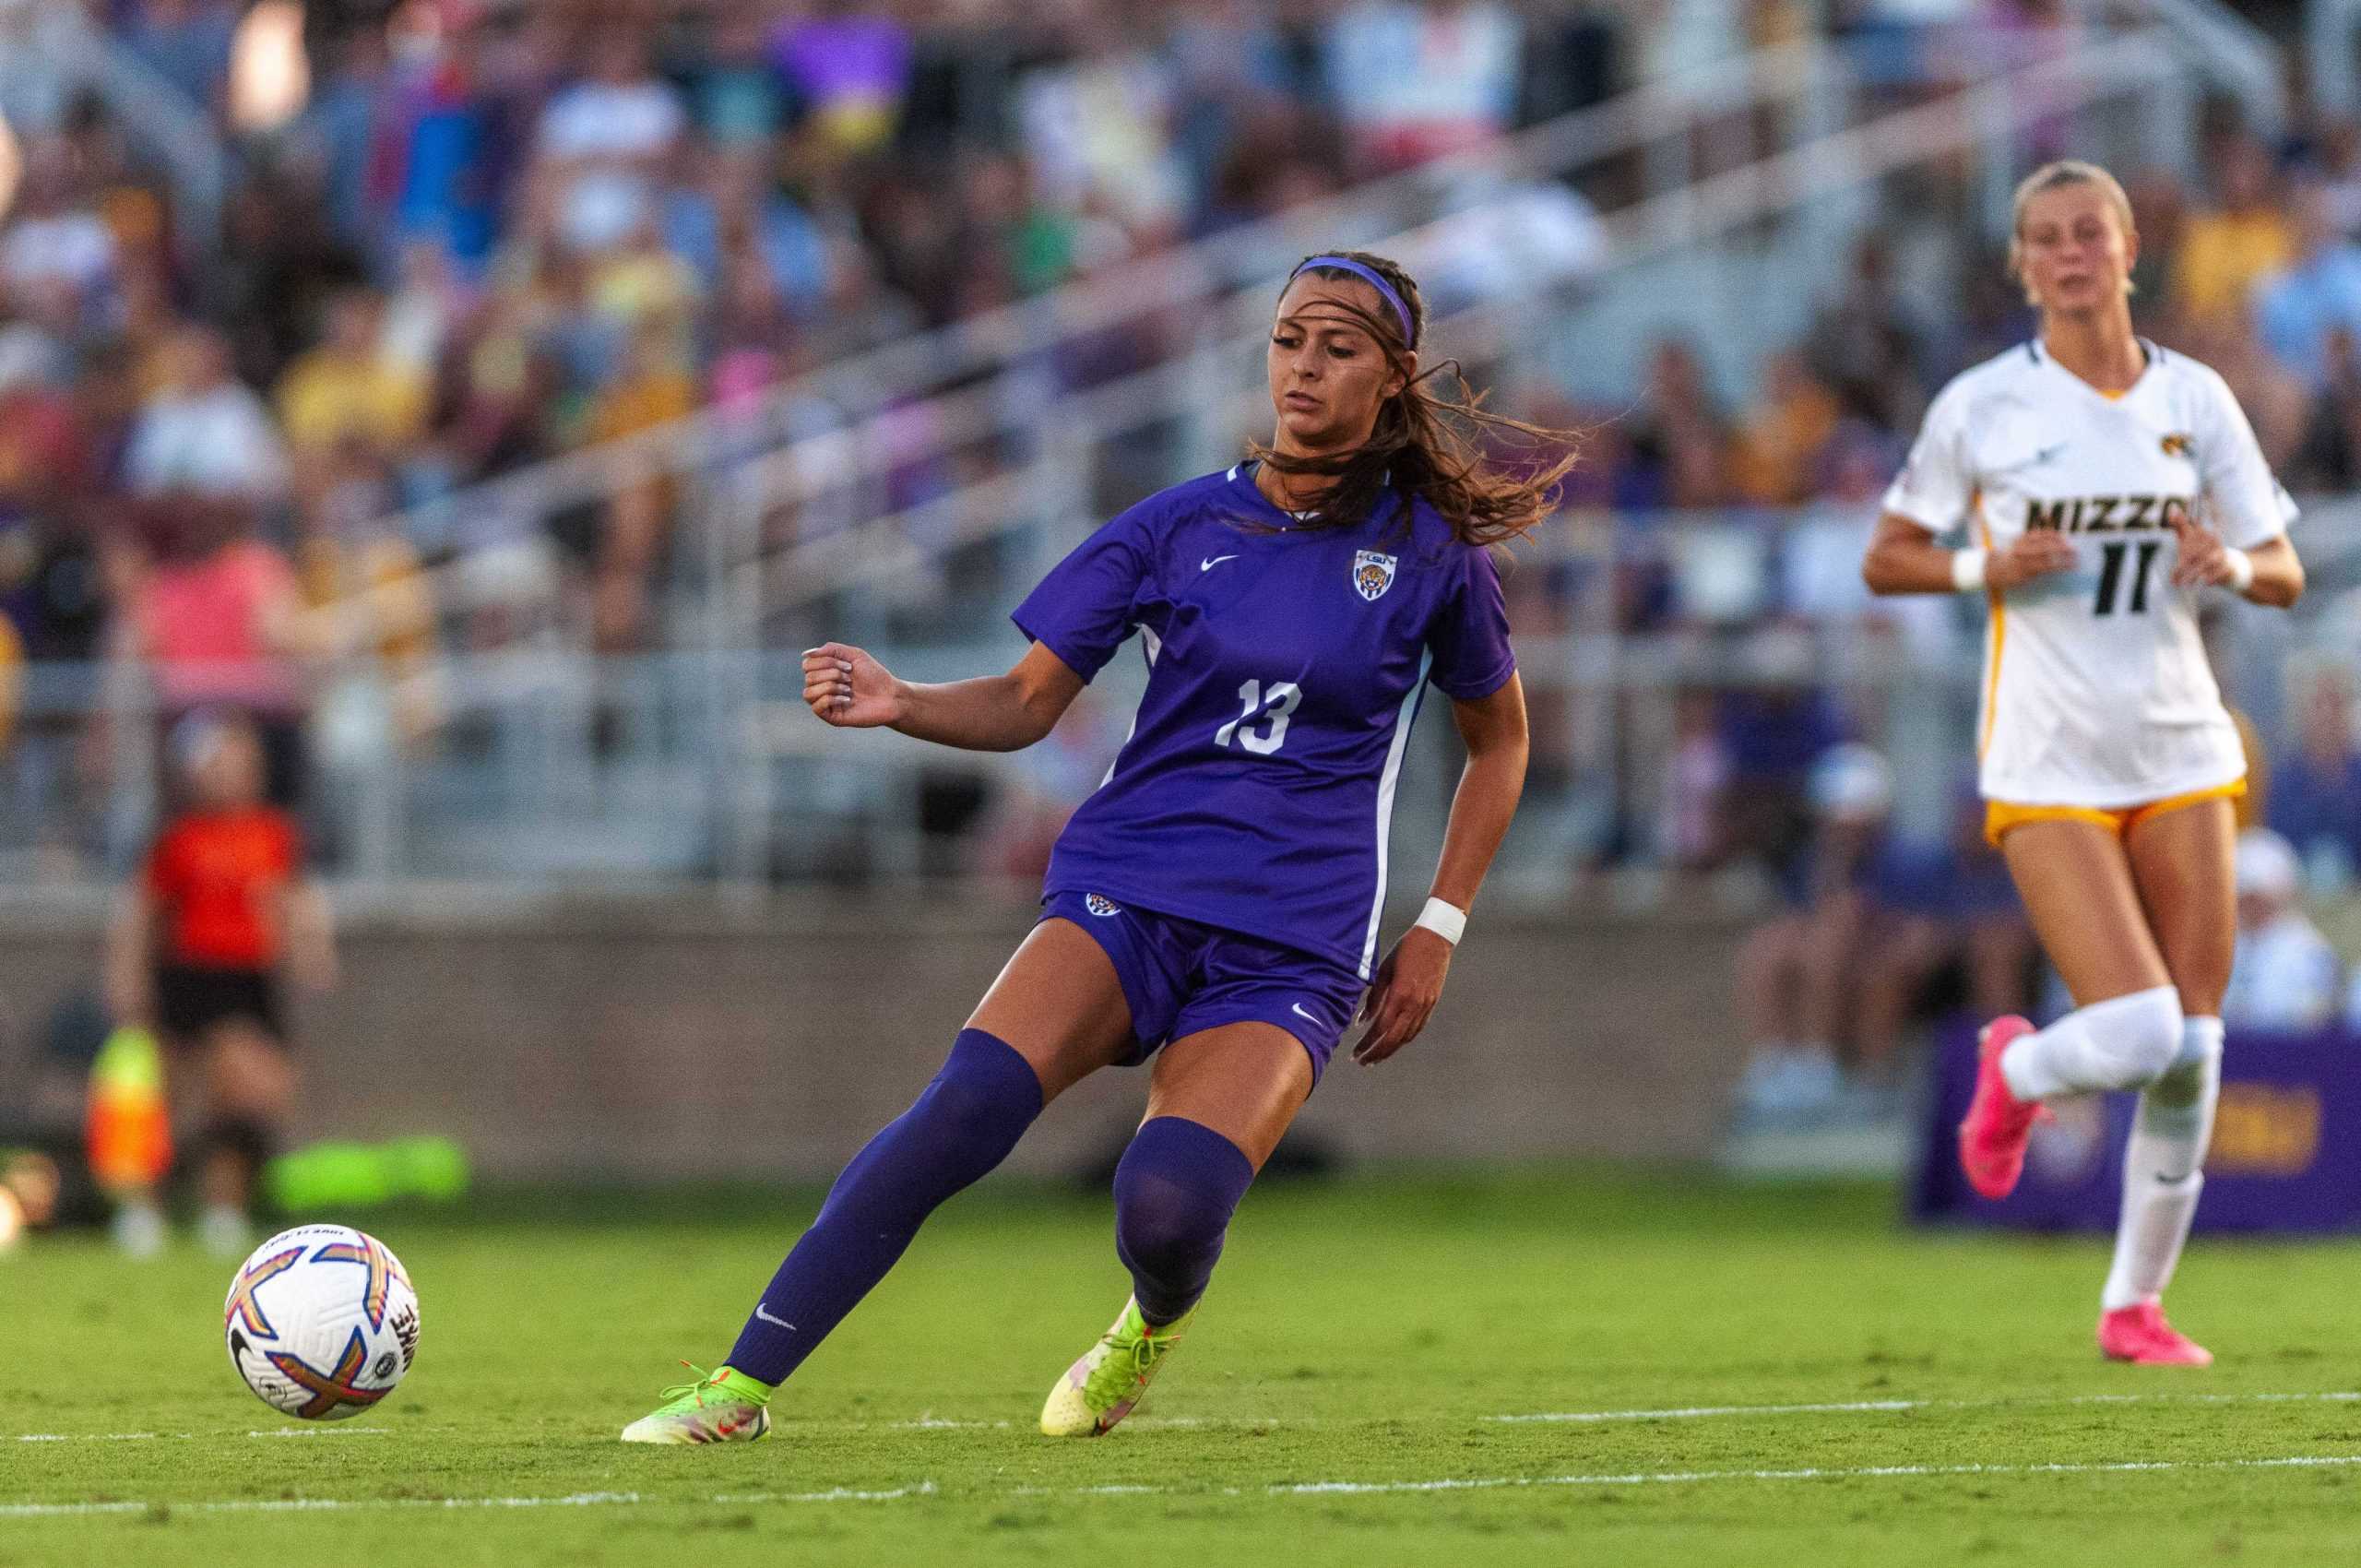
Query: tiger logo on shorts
[1102,908]
[1372,575]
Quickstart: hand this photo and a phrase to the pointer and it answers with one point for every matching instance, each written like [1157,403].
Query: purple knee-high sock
[965,1123]
[1175,1190]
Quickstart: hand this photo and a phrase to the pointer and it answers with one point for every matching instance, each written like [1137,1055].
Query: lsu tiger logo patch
[1103,908]
[2177,445]
[1372,574]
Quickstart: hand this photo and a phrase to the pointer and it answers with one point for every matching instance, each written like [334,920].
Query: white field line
[357,1504]
[1702,1412]
[1277,1491]
[192,1436]
[1183,1423]
[1890,1406]
[1674,1413]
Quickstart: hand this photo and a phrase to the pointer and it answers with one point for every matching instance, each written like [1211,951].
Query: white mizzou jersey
[2096,690]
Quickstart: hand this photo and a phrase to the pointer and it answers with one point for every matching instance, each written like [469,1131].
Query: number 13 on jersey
[1273,706]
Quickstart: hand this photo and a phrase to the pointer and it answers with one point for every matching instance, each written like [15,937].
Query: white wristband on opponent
[1967,569]
[1446,921]
[2241,570]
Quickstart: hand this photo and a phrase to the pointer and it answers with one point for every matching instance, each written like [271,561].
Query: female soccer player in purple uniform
[1219,895]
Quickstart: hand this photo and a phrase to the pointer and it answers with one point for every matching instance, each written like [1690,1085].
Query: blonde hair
[2053,176]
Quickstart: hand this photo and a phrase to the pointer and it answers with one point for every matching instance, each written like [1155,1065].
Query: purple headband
[1368,275]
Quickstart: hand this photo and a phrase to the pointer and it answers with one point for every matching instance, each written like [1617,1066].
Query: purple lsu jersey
[1285,670]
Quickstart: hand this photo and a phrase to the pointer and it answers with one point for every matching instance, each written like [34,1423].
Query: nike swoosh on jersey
[763,1312]
[1296,1008]
[1208,565]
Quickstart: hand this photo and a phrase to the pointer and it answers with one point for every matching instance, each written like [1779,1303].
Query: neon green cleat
[723,1407]
[1100,1389]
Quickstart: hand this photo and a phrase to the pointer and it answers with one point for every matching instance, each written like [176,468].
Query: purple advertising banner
[2286,1152]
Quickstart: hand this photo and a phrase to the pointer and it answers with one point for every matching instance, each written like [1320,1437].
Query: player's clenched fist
[848,689]
[2035,554]
[2204,559]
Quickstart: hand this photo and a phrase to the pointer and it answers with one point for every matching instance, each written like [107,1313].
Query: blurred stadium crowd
[493,232]
[490,233]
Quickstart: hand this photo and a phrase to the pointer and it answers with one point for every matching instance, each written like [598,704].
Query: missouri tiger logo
[2177,444]
[1372,574]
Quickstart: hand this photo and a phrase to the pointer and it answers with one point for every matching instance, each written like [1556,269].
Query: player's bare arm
[2274,573]
[848,688]
[1903,557]
[1410,983]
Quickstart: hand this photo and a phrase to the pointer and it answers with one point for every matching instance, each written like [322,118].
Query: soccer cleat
[1993,1134]
[2140,1335]
[723,1407]
[1100,1389]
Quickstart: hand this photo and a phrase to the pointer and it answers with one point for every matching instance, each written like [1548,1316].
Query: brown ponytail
[1430,446]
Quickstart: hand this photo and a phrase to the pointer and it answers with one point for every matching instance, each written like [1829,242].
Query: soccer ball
[320,1322]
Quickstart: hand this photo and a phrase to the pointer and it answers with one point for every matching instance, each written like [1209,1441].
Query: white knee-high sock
[2124,1042]
[2162,1168]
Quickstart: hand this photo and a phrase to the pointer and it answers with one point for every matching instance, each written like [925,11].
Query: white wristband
[2241,570]
[1446,921]
[1967,569]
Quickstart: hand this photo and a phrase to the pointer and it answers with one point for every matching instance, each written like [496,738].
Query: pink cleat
[1993,1134]
[2140,1335]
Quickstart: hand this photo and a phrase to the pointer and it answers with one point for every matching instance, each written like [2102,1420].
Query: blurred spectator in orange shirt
[12,670]
[655,386]
[221,906]
[367,608]
[1780,438]
[2226,249]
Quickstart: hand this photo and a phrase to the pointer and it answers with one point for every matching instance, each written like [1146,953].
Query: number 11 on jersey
[2111,576]
[1273,706]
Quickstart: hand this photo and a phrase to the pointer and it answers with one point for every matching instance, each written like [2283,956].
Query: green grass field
[1339,1402]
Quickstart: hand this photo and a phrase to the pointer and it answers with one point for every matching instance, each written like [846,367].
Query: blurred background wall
[595,1047]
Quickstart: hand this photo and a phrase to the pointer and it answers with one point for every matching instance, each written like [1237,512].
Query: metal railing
[533,774]
[50,49]
[988,350]
[537,769]
[771,521]
[1077,453]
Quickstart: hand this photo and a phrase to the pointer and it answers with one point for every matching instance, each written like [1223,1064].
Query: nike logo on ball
[1212,561]
[764,1313]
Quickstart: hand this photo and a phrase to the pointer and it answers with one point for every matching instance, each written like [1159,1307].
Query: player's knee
[2139,1035]
[1175,1190]
[1169,1233]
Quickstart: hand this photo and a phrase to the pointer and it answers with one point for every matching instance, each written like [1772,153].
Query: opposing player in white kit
[2103,483]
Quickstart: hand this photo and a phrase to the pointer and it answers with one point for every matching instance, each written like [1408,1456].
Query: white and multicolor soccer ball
[320,1322]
